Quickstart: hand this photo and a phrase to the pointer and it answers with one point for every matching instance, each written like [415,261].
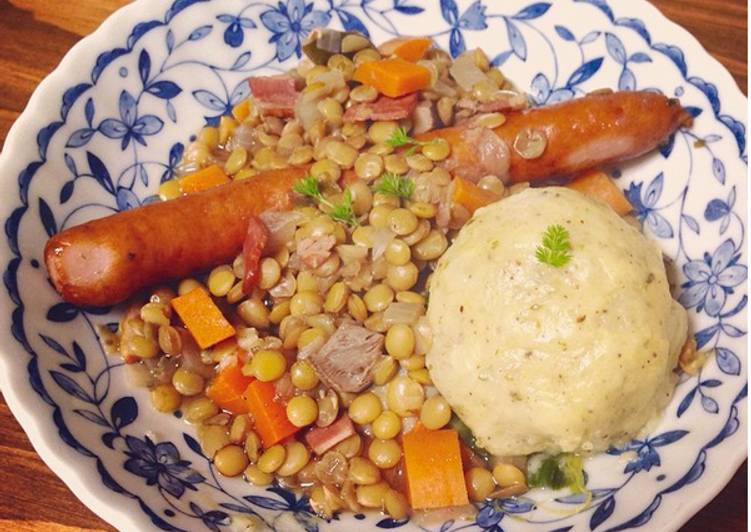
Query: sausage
[583,133]
[105,261]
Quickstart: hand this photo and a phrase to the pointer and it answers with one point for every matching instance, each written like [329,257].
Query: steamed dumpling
[535,358]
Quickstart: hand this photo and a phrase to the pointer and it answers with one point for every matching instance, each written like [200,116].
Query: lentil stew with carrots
[302,361]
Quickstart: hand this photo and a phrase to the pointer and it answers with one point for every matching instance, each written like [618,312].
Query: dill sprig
[400,138]
[392,184]
[342,211]
[339,212]
[556,246]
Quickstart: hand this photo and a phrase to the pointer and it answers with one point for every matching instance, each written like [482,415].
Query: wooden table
[36,34]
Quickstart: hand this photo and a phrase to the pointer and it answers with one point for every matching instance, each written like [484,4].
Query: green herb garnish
[339,212]
[556,246]
[465,434]
[400,138]
[558,472]
[394,185]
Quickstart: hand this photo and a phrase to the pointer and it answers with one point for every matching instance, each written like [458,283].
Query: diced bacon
[274,95]
[384,108]
[255,242]
[321,439]
[314,251]
[345,362]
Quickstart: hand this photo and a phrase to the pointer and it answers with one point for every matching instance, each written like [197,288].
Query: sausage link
[582,133]
[105,261]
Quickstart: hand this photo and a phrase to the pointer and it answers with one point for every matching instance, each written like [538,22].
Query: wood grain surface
[34,36]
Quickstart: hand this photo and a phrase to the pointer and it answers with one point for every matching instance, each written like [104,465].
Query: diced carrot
[408,48]
[393,77]
[241,110]
[209,177]
[269,416]
[321,439]
[470,196]
[433,464]
[597,184]
[226,389]
[202,317]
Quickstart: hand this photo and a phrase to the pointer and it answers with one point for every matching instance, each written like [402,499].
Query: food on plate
[361,227]
[104,261]
[571,358]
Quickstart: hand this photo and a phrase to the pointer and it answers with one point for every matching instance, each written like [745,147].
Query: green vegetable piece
[307,186]
[392,184]
[339,212]
[556,246]
[558,472]
[324,42]
[342,212]
[468,439]
[400,138]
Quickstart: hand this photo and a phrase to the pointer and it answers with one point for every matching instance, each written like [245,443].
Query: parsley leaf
[339,212]
[392,184]
[557,472]
[556,246]
[307,186]
[400,138]
[342,212]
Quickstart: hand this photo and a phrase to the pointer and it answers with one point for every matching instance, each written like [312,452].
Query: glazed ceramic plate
[112,121]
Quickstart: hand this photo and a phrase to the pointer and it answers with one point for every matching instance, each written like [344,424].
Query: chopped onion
[281,226]
[331,469]
[244,136]
[465,72]
[307,112]
[229,359]
[283,387]
[286,287]
[247,339]
[423,336]
[398,312]
[190,358]
[138,375]
[163,369]
[381,239]
[530,143]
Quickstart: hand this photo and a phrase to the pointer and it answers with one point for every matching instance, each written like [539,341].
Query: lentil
[384,453]
[302,410]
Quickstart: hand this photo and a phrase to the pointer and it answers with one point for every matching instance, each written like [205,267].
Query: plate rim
[86,487]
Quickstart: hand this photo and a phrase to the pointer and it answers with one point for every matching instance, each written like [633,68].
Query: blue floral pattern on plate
[119,132]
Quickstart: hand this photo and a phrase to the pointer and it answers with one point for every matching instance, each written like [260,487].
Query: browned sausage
[583,133]
[105,261]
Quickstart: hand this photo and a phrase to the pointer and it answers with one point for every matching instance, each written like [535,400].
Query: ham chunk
[384,108]
[345,362]
[321,439]
[314,251]
[274,95]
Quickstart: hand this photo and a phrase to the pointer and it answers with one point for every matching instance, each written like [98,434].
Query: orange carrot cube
[202,317]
